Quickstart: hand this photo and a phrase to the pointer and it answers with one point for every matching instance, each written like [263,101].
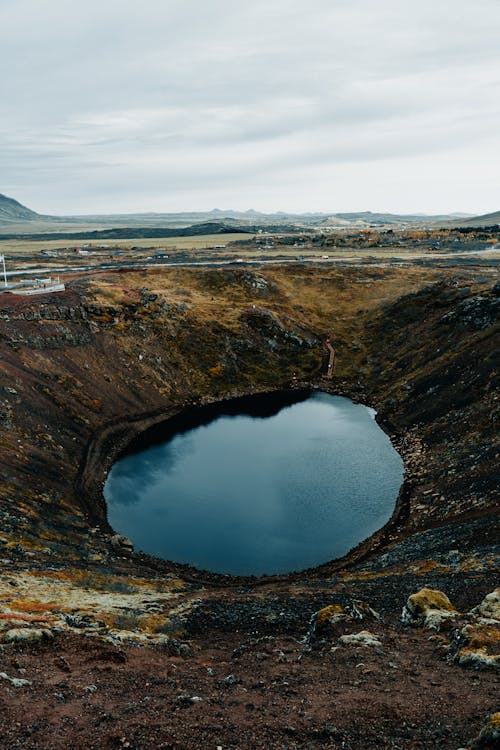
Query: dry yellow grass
[310,298]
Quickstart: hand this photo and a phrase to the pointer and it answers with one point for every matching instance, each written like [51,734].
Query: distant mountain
[486,220]
[16,219]
[368,218]
[12,211]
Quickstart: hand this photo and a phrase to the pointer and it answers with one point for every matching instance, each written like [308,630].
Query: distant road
[41,270]
[187,263]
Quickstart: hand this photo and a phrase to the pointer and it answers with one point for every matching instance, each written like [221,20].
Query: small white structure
[42,289]
[43,286]
[2,259]
[38,286]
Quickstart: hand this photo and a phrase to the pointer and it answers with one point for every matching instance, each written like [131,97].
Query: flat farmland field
[201,242]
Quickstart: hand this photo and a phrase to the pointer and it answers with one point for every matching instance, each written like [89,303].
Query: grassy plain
[27,248]
[201,242]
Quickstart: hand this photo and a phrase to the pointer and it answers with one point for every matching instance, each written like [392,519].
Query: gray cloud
[168,105]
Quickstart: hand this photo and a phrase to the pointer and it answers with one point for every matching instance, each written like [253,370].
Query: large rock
[330,615]
[475,637]
[336,618]
[478,659]
[481,635]
[27,635]
[429,608]
[354,611]
[363,638]
[490,606]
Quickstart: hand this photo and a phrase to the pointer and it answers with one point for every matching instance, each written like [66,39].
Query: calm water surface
[272,489]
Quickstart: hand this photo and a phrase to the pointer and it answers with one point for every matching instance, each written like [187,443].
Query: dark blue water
[273,489]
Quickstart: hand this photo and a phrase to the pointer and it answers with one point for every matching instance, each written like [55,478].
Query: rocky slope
[485,220]
[11,211]
[113,649]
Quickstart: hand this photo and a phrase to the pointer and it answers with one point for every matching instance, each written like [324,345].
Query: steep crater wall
[85,372]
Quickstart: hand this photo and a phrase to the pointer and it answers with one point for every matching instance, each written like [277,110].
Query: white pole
[2,258]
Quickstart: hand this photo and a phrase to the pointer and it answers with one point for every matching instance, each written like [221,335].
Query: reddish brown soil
[255,694]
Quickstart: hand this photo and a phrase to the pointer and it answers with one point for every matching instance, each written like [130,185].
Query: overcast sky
[325,105]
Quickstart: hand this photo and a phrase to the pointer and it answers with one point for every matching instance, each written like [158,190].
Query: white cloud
[170,104]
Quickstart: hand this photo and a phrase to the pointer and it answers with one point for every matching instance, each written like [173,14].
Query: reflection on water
[274,487]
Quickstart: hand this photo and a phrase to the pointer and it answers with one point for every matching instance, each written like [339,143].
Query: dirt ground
[242,693]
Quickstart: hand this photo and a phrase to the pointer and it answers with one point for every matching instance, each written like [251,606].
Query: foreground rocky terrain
[102,647]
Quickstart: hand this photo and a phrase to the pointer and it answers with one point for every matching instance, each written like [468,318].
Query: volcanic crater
[85,621]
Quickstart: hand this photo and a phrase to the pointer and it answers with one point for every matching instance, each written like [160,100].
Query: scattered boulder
[188,700]
[121,544]
[490,606]
[336,618]
[230,680]
[15,681]
[479,645]
[428,608]
[363,638]
[27,635]
[474,640]
[330,615]
[354,611]
[478,659]
[75,620]
[358,610]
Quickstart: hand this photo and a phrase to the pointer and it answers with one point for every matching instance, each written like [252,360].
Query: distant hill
[16,219]
[11,211]
[486,220]
[128,233]
[368,218]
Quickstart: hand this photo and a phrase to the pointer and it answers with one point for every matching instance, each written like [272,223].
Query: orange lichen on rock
[429,599]
[328,615]
[429,608]
[481,636]
[478,659]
